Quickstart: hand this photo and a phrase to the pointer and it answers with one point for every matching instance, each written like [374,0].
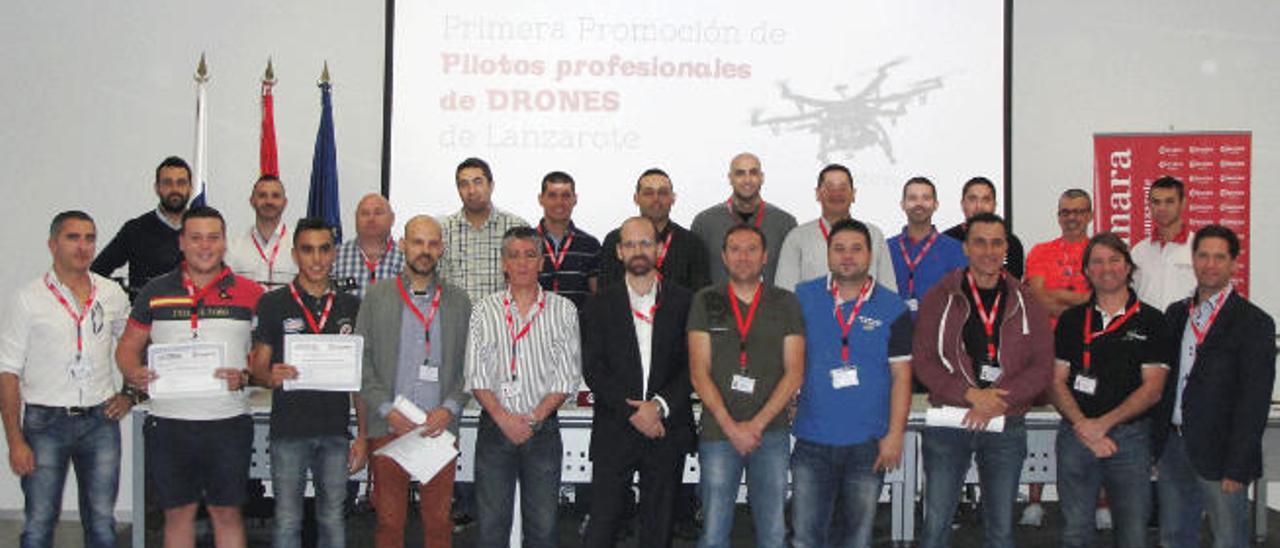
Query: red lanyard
[988,319]
[826,232]
[511,325]
[662,252]
[77,317]
[198,295]
[1090,335]
[913,263]
[426,319]
[653,310]
[556,259]
[759,212]
[846,325]
[744,327]
[1199,333]
[373,265]
[306,312]
[275,250]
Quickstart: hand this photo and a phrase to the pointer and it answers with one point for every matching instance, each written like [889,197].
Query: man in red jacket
[982,344]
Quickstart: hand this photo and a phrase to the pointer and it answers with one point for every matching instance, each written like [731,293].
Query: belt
[68,411]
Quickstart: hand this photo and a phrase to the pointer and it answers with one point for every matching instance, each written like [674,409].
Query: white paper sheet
[325,362]
[187,369]
[953,417]
[422,457]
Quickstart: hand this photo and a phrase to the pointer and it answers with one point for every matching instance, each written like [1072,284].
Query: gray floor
[360,532]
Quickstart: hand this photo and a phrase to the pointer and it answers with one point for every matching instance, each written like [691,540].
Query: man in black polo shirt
[148,243]
[309,428]
[682,257]
[1112,359]
[571,255]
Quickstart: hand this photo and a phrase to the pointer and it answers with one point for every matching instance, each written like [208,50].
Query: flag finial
[202,70]
[324,74]
[269,77]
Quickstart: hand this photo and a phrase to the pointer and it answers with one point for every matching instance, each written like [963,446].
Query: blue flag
[322,202]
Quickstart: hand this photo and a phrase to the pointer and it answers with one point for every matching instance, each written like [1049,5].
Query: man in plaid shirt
[372,256]
[473,236]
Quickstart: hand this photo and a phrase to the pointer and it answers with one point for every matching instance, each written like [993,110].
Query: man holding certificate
[304,349]
[415,332]
[983,349]
[193,327]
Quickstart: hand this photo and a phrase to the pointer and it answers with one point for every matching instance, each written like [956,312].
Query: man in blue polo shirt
[857,391]
[922,255]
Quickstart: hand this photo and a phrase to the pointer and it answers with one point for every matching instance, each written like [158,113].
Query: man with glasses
[1057,281]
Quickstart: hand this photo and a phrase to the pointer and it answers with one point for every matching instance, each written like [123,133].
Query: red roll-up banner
[1216,168]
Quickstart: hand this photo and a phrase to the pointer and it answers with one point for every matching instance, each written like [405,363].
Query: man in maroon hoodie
[983,344]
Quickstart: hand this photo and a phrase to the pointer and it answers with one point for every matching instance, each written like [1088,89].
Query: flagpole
[199,160]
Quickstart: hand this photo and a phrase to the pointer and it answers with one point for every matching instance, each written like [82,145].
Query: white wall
[97,93]
[1147,66]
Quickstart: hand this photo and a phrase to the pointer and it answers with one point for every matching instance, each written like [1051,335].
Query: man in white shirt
[1164,274]
[804,251]
[55,360]
[262,252]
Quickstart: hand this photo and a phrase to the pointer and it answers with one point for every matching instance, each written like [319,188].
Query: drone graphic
[850,123]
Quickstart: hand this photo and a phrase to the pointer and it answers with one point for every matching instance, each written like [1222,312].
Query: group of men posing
[812,331]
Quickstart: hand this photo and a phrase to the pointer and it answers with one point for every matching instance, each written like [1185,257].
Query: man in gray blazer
[415,333]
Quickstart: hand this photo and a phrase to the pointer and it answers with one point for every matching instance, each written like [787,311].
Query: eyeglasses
[1070,212]
[634,244]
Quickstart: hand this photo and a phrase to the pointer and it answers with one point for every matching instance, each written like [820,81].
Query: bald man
[744,206]
[373,256]
[415,332]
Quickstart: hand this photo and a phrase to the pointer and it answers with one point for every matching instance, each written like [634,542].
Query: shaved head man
[744,206]
[373,255]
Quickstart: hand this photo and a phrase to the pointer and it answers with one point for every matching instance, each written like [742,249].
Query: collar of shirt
[489,222]
[840,301]
[1179,238]
[1108,317]
[1201,310]
[533,309]
[165,220]
[275,236]
[642,301]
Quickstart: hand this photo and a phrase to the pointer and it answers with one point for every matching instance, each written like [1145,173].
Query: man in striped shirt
[523,359]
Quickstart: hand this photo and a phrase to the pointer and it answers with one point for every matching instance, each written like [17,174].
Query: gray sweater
[379,321]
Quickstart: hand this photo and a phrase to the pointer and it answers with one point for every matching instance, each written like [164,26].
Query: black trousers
[661,467]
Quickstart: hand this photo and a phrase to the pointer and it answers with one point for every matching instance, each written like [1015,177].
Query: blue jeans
[821,472]
[326,458]
[721,474]
[1184,496]
[947,453]
[1126,475]
[535,465]
[90,443]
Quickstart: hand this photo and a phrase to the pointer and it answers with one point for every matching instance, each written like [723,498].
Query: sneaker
[1032,515]
[1103,517]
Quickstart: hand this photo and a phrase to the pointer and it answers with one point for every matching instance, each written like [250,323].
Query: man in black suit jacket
[1214,413]
[643,419]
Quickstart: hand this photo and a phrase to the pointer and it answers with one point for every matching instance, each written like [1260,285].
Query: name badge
[744,384]
[509,390]
[428,373]
[913,304]
[1086,384]
[80,369]
[989,373]
[844,376]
